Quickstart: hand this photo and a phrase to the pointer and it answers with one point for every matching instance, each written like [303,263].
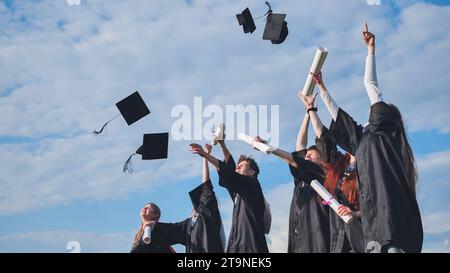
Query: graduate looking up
[203,231]
[385,166]
[150,214]
[309,230]
[248,227]
[340,181]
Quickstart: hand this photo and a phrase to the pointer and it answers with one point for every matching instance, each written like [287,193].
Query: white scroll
[329,199]
[319,59]
[263,147]
[147,237]
[218,134]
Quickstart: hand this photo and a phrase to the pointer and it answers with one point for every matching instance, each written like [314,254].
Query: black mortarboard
[132,109]
[154,146]
[276,28]
[245,19]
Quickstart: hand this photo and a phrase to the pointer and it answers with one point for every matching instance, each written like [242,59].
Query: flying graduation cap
[132,109]
[276,29]
[154,146]
[245,20]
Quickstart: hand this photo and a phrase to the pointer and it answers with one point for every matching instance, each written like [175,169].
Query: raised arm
[302,137]
[283,155]
[331,105]
[311,109]
[206,175]
[197,149]
[370,74]
[225,151]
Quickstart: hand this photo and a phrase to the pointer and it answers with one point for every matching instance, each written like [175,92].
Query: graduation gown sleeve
[205,234]
[204,201]
[231,165]
[326,146]
[237,183]
[306,170]
[160,243]
[175,233]
[346,132]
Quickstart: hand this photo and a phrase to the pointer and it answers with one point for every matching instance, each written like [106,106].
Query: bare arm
[206,175]
[308,102]
[316,123]
[197,149]
[302,138]
[286,157]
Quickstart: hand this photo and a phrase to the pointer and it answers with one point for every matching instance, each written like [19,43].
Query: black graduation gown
[203,234]
[389,209]
[159,244]
[309,230]
[247,228]
[343,237]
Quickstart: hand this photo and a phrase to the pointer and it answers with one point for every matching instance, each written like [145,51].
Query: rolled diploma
[263,147]
[218,134]
[319,59]
[147,237]
[327,197]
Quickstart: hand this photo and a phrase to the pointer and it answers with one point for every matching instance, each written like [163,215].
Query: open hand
[197,149]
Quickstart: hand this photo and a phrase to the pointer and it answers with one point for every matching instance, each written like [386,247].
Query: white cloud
[280,201]
[436,222]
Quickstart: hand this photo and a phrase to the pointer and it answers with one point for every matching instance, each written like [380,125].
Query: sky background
[64,67]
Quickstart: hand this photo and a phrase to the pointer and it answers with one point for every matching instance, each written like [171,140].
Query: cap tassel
[267,13]
[128,166]
[104,126]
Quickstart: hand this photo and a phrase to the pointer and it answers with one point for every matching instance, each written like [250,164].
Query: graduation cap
[276,28]
[245,20]
[154,146]
[132,109]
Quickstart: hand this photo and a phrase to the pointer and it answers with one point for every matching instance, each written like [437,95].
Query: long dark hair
[407,154]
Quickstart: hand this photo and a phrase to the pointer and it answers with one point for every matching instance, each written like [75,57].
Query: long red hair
[349,186]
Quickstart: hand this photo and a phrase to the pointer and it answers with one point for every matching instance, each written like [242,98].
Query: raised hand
[308,101]
[197,149]
[207,148]
[368,37]
[258,139]
[317,78]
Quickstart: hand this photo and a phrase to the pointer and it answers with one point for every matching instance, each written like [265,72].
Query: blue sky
[63,68]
